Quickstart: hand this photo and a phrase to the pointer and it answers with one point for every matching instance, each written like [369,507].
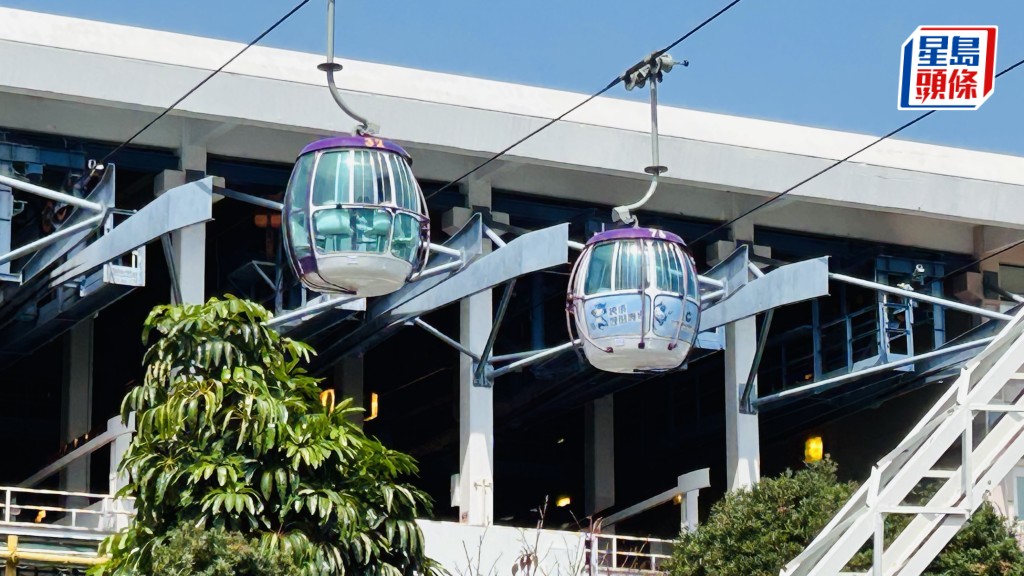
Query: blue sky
[826,63]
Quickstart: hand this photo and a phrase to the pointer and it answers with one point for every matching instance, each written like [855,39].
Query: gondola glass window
[362,213]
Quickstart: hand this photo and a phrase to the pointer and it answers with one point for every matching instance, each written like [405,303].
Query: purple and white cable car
[355,219]
[634,296]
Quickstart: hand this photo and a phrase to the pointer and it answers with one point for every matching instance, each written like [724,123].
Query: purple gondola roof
[355,142]
[634,233]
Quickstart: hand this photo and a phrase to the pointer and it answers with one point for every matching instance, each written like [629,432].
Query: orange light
[327,399]
[814,449]
[373,407]
[563,501]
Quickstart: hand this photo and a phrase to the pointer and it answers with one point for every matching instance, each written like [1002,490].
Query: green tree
[232,434]
[216,552]
[756,532]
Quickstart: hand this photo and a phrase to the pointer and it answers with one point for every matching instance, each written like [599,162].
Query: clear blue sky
[827,63]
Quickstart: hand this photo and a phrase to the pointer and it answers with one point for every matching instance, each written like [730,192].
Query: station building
[901,213]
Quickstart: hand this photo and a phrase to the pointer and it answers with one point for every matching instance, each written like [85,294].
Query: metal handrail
[608,558]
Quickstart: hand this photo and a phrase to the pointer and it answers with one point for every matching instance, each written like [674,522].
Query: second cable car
[355,217]
[634,296]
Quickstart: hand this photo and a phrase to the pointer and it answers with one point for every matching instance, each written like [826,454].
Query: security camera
[918,275]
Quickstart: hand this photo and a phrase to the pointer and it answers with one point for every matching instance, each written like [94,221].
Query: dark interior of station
[665,425]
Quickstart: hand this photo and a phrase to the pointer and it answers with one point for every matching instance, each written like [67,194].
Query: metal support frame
[172,270]
[309,310]
[89,224]
[479,374]
[51,194]
[746,406]
[952,304]
[983,383]
[532,358]
[445,338]
[249,199]
[819,387]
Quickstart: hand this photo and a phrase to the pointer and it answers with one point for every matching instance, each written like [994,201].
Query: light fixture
[563,501]
[814,449]
[678,499]
[373,407]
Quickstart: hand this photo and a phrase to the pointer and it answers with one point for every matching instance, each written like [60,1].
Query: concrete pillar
[188,245]
[348,383]
[743,458]
[743,453]
[476,403]
[599,455]
[188,252]
[76,401]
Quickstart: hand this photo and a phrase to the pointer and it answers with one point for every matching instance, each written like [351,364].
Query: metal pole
[444,338]
[309,310]
[172,270]
[534,358]
[502,307]
[709,281]
[832,382]
[249,199]
[494,237]
[748,389]
[47,240]
[330,67]
[922,297]
[51,194]
[655,156]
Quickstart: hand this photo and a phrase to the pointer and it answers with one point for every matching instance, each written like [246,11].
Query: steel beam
[785,285]
[175,209]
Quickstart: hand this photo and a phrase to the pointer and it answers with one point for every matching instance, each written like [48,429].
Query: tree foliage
[217,552]
[231,434]
[756,532]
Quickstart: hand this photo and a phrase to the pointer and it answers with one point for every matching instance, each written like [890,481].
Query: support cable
[600,92]
[830,167]
[209,77]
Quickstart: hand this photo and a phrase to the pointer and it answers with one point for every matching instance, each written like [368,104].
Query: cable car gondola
[355,217]
[635,298]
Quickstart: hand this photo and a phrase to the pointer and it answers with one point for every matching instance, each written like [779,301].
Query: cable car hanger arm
[653,69]
[330,67]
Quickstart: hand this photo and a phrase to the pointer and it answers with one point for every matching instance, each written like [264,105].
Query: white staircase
[969,441]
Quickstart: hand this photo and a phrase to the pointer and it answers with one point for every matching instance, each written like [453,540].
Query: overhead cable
[585,101]
[829,167]
[210,76]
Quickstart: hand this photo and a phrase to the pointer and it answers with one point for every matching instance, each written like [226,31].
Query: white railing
[73,514]
[611,554]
